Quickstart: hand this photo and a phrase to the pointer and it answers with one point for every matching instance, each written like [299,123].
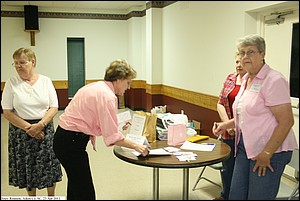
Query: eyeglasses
[21,63]
[250,53]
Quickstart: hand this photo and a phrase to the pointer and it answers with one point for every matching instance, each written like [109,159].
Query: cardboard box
[197,126]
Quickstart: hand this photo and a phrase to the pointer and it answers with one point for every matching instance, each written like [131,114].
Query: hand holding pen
[127,124]
[218,128]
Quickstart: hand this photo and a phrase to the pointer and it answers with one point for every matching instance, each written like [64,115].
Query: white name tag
[255,87]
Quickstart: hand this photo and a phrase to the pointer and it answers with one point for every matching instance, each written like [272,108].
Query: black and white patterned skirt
[32,162]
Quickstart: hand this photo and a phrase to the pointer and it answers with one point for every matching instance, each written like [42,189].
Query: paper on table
[155,152]
[138,139]
[185,156]
[159,151]
[198,147]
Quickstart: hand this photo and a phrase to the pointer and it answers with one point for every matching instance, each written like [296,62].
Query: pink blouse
[93,111]
[268,88]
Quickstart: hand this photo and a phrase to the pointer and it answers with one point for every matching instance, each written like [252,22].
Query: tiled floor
[117,180]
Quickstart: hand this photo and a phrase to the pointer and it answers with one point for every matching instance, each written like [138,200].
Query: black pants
[70,149]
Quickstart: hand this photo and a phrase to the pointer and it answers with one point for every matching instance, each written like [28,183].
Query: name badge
[255,87]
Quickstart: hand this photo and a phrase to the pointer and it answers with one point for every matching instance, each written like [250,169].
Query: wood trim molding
[196,98]
[69,15]
[2,85]
[158,4]
[60,84]
[91,81]
[72,15]
[138,84]
[154,89]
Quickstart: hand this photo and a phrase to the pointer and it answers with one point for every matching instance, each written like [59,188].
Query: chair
[294,163]
[217,166]
[286,191]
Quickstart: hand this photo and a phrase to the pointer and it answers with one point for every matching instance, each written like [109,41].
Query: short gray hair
[28,53]
[252,40]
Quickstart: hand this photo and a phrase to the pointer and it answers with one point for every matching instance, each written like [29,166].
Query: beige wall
[196,45]
[188,45]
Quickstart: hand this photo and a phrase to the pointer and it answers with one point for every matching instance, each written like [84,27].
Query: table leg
[185,190]
[156,183]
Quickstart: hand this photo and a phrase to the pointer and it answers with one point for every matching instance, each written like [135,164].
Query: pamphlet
[137,124]
[123,116]
[138,139]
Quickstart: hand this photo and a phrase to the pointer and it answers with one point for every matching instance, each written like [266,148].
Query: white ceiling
[80,6]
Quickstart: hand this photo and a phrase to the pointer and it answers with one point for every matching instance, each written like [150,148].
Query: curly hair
[118,70]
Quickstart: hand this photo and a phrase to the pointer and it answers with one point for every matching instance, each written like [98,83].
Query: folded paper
[197,138]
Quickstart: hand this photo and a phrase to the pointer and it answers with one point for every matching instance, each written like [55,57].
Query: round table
[220,152]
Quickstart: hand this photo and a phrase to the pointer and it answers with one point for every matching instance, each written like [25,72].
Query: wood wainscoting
[142,96]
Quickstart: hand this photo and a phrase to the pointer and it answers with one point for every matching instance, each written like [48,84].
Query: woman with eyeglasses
[263,121]
[92,112]
[29,103]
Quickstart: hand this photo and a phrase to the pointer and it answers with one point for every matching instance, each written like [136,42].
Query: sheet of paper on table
[198,147]
[155,152]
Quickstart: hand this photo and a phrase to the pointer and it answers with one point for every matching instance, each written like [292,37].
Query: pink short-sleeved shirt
[93,111]
[268,88]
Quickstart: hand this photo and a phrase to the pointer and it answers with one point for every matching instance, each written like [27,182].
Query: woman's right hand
[37,135]
[127,124]
[218,128]
[143,149]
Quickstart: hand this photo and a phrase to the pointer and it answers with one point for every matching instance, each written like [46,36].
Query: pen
[208,143]
[148,151]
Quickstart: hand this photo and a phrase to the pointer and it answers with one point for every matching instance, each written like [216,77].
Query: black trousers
[70,149]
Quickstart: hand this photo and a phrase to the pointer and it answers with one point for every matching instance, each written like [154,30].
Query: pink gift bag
[176,134]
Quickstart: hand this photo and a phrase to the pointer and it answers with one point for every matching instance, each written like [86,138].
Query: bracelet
[44,123]
[266,152]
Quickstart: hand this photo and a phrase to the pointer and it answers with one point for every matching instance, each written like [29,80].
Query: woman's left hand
[262,163]
[35,131]
[127,124]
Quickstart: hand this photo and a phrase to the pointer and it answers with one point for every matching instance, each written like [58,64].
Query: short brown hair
[119,70]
